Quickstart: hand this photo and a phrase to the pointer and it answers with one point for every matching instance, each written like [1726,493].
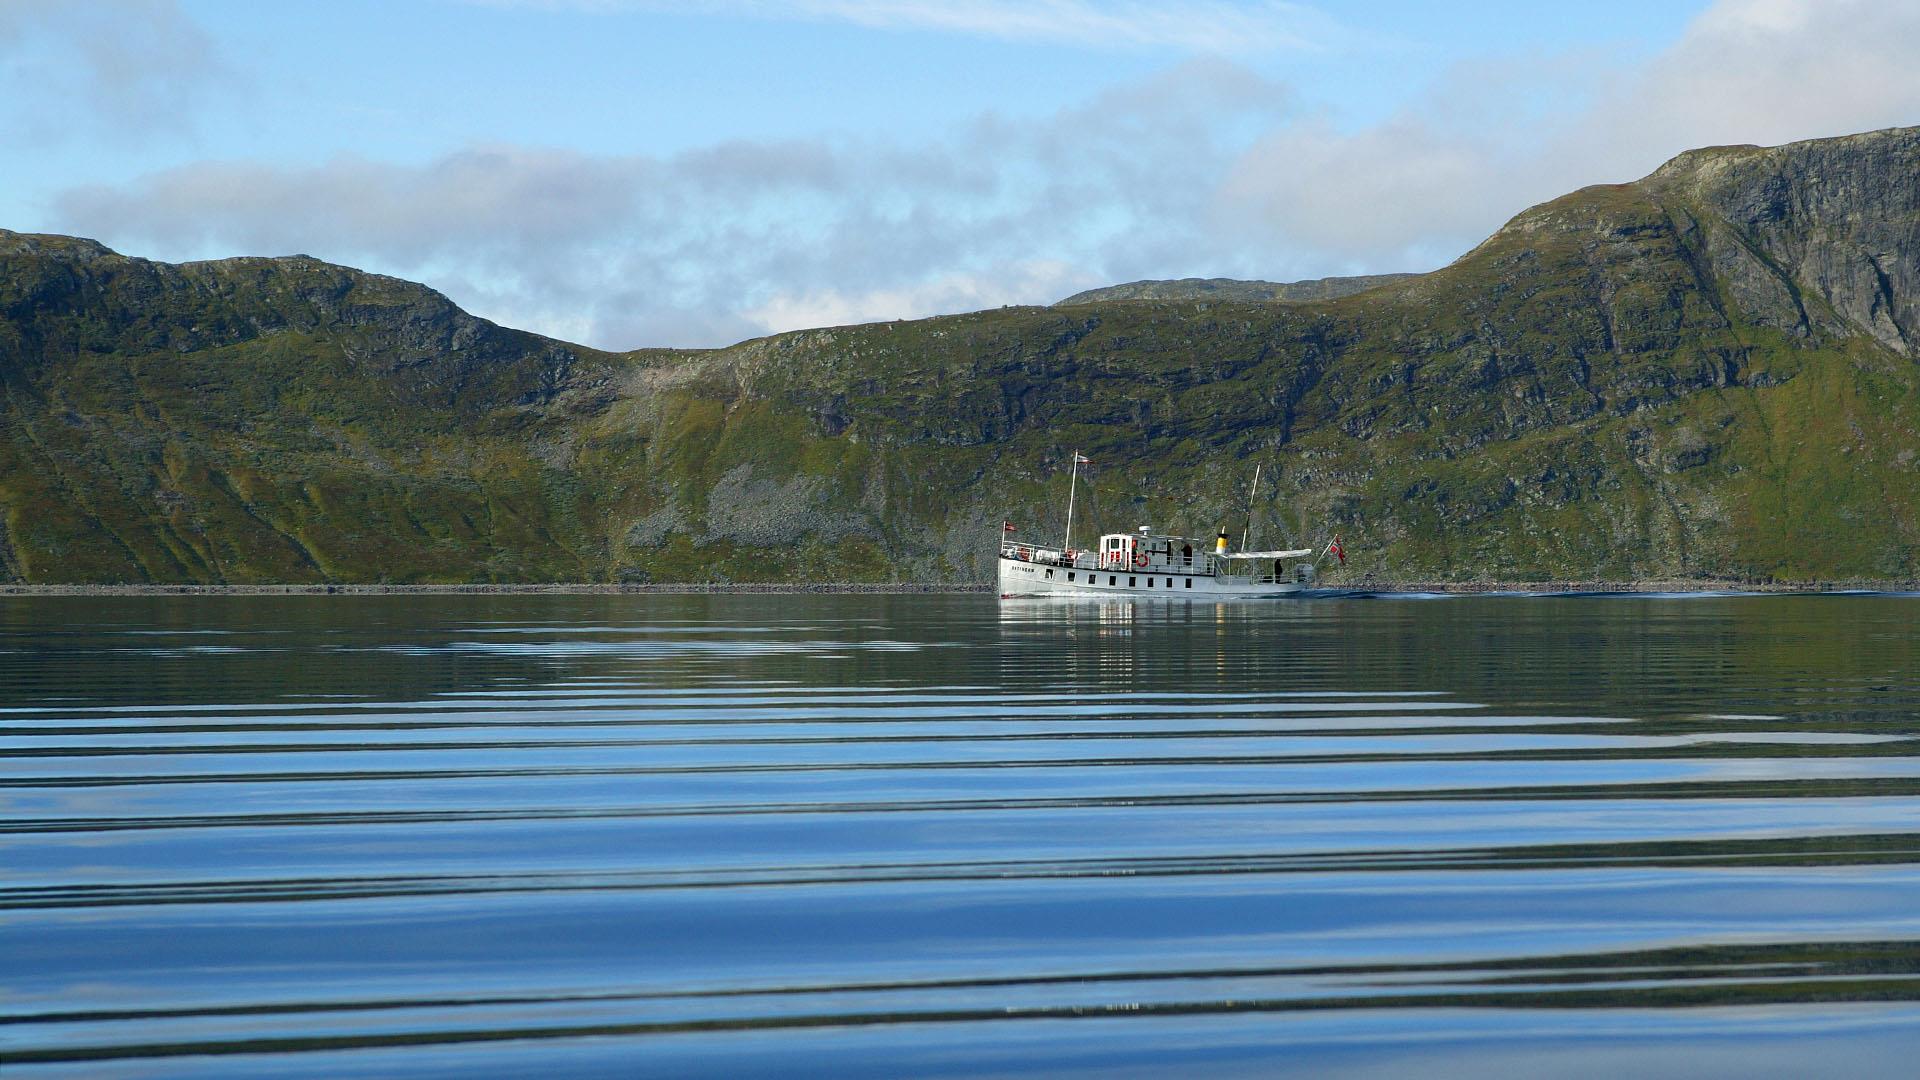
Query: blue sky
[632,172]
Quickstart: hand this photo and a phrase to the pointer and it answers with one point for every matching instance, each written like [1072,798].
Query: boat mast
[1072,482]
[1244,533]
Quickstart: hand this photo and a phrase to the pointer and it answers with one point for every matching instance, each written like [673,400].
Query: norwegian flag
[1081,459]
[1007,527]
[1334,549]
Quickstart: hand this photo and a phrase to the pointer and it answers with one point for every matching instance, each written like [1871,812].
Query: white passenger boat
[1146,563]
[1152,564]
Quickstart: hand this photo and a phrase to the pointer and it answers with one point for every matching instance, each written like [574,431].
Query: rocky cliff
[1813,238]
[1710,372]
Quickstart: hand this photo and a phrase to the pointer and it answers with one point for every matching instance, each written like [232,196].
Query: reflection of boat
[1150,564]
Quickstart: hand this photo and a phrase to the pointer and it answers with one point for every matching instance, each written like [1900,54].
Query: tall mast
[1244,533]
[1072,483]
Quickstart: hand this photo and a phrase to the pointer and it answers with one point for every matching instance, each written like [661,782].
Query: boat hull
[1019,578]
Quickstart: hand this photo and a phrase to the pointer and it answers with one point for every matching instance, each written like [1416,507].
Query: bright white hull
[1019,578]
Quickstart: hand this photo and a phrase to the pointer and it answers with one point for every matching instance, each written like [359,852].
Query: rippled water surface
[946,835]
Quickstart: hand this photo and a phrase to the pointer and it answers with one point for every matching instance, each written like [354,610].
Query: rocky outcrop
[1820,235]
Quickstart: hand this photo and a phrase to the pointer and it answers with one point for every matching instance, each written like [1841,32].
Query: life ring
[1140,559]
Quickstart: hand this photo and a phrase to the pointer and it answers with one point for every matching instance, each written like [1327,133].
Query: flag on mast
[1334,549]
[1006,526]
[1081,459]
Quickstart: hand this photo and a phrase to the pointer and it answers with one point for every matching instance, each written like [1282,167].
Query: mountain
[272,420]
[1711,372]
[1327,288]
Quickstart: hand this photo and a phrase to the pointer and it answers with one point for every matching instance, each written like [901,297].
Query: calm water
[854,835]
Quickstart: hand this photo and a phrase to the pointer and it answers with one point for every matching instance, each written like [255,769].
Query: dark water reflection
[857,835]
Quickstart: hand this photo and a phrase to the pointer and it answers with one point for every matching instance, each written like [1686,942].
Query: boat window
[1049,573]
[1132,581]
[1069,575]
[1112,580]
[1189,583]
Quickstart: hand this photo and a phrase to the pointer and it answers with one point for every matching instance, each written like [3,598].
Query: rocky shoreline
[1364,586]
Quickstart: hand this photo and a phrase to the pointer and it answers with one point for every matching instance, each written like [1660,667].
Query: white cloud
[1399,194]
[742,238]
[997,287]
[1770,71]
[1435,179]
[1224,27]
[126,68]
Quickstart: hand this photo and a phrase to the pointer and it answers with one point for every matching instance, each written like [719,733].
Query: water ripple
[364,835]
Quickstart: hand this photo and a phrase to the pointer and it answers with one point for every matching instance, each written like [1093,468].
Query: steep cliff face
[1820,234]
[1710,372]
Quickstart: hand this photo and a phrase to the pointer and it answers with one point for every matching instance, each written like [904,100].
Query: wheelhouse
[1145,550]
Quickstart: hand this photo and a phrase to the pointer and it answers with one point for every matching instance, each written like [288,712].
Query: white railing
[1045,556]
[1201,565]
[1288,576]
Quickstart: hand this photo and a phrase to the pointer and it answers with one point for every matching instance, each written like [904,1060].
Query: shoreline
[516,589]
[1688,585]
[1450,588]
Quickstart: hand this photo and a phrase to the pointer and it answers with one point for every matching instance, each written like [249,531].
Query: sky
[630,173]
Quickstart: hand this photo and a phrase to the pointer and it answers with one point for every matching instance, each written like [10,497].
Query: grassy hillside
[1711,372]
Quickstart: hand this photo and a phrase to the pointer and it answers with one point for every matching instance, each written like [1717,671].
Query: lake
[857,835]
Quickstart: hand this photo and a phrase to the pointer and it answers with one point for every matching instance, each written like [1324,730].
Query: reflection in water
[487,835]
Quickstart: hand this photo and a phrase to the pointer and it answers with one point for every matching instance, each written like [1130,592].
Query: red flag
[1006,526]
[1082,459]
[1337,551]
